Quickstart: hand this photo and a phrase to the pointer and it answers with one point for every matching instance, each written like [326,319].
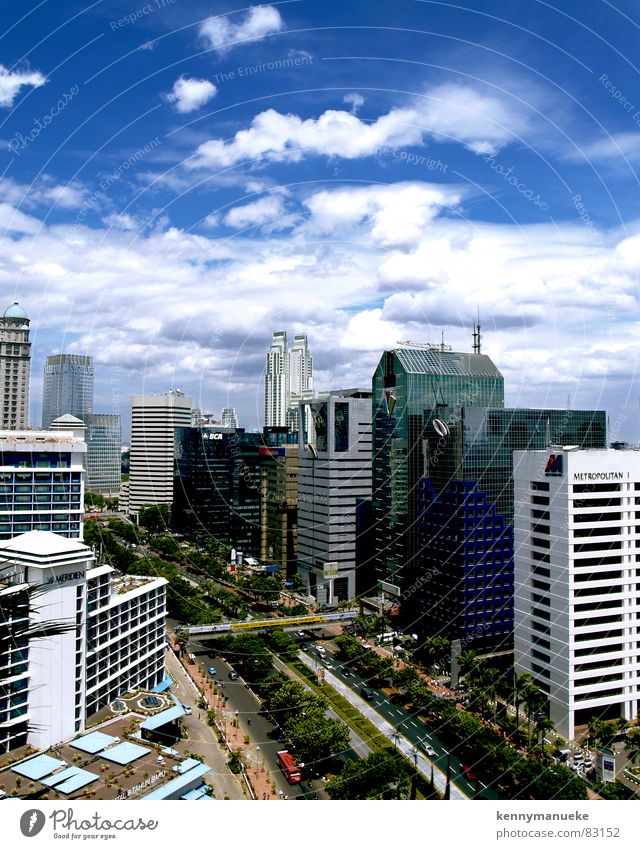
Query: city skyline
[388,204]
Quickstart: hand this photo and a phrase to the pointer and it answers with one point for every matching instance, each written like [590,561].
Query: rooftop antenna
[442,346]
[477,338]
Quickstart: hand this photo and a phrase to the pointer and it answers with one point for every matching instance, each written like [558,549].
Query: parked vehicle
[321,650]
[212,671]
[366,693]
[233,676]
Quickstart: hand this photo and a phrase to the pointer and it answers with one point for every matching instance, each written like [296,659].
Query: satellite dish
[440,427]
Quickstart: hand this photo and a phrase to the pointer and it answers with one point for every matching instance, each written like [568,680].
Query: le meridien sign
[599,476]
[62,579]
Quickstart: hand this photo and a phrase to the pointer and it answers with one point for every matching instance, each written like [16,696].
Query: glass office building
[407,382]
[466,510]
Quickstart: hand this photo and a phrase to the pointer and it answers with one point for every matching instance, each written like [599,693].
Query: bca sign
[554,465]
[212,435]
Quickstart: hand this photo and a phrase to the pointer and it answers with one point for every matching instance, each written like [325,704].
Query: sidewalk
[232,729]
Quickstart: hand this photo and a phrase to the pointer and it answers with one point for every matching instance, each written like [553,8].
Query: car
[212,671]
[188,711]
[321,650]
[326,664]
[469,774]
[300,634]
[233,676]
[366,693]
[431,752]
[304,646]
[346,673]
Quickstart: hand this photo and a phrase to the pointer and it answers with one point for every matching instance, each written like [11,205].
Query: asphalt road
[262,731]
[407,724]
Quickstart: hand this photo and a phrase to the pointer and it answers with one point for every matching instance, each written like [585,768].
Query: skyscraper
[334,489]
[229,417]
[288,380]
[104,442]
[300,378]
[15,362]
[577,587]
[154,419]
[276,382]
[67,387]
[407,382]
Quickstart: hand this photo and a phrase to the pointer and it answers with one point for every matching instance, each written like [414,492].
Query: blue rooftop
[164,717]
[185,766]
[94,742]
[124,753]
[175,785]
[36,768]
[70,780]
[195,794]
[163,685]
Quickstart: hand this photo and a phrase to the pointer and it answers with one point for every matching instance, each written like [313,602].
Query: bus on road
[288,765]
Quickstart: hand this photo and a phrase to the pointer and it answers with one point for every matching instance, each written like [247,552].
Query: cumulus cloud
[262,211]
[189,94]
[450,113]
[43,191]
[12,81]
[221,33]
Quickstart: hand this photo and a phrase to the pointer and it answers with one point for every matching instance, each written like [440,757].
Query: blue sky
[179,179]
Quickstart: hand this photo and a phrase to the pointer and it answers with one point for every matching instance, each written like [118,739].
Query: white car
[431,752]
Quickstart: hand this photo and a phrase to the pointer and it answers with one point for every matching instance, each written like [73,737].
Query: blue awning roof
[70,780]
[172,787]
[38,767]
[124,753]
[163,685]
[185,766]
[94,742]
[163,718]
[195,794]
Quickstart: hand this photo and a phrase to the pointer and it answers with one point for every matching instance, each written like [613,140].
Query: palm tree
[468,663]
[490,680]
[533,702]
[543,724]
[521,684]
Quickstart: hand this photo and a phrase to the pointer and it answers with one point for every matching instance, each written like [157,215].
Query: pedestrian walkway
[233,730]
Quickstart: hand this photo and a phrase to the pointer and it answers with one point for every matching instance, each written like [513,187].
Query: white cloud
[221,33]
[44,191]
[12,81]
[613,148]
[189,94]
[447,113]
[354,100]
[14,221]
[262,211]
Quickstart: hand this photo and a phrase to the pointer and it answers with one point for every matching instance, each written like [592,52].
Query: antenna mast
[477,338]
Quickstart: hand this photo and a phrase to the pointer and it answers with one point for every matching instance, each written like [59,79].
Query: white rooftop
[44,543]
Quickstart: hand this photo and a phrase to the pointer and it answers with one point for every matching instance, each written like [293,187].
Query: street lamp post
[258,758]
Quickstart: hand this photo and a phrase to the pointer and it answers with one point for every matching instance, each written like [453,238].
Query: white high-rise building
[577,581]
[288,380]
[154,419]
[334,491]
[15,365]
[229,417]
[300,378]
[276,382]
[112,638]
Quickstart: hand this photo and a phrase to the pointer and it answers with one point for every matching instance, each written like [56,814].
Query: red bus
[288,765]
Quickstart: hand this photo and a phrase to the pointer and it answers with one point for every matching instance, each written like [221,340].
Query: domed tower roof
[15,311]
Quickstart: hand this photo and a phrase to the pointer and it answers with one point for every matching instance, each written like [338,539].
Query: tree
[367,778]
[468,664]
[155,518]
[404,678]
[521,684]
[315,737]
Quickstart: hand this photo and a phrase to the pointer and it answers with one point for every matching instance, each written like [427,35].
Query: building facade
[41,483]
[276,382]
[67,387]
[407,382]
[577,584]
[217,485]
[154,419]
[465,514]
[279,506]
[104,447]
[15,365]
[334,489]
[300,378]
[228,417]
[109,638]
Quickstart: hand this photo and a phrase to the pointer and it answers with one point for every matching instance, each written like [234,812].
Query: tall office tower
[229,417]
[276,382]
[334,489]
[67,387]
[104,446]
[464,589]
[15,362]
[577,587]
[154,419]
[300,378]
[41,482]
[279,500]
[59,679]
[407,382]
[217,485]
